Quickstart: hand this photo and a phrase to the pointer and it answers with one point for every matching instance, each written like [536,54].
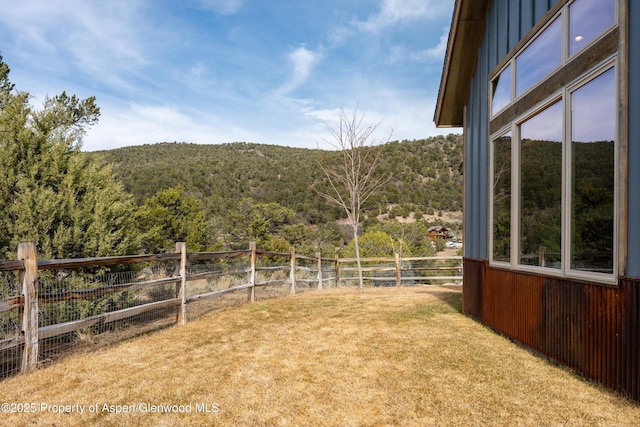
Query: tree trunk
[355,241]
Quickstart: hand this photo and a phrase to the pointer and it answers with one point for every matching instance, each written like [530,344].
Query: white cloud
[161,75]
[137,124]
[436,52]
[338,36]
[198,70]
[46,31]
[398,114]
[325,115]
[392,12]
[303,61]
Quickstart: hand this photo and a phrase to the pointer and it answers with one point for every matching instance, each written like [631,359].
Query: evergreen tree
[172,216]
[68,205]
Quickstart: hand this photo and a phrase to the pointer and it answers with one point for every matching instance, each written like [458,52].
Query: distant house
[439,232]
[548,95]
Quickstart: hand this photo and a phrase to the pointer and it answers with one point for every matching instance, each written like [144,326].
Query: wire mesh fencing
[215,281]
[80,308]
[76,305]
[10,325]
[386,271]
[306,273]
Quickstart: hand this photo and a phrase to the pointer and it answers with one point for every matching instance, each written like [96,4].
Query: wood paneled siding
[592,329]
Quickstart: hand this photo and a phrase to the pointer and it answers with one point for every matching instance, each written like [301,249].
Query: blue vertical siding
[476,167]
[526,16]
[540,7]
[472,196]
[483,167]
[502,12]
[508,21]
[469,203]
[633,215]
[514,24]
[492,43]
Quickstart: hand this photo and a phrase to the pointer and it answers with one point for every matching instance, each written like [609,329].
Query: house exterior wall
[593,328]
[507,22]
[633,230]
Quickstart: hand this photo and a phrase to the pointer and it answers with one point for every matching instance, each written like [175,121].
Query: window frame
[595,39]
[503,132]
[595,51]
[561,19]
[493,85]
[516,196]
[602,53]
[611,64]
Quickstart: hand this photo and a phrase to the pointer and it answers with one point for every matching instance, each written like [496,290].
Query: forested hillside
[223,196]
[425,175]
[213,197]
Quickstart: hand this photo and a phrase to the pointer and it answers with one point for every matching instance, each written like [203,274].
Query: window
[553,155]
[539,58]
[587,20]
[501,91]
[541,188]
[593,174]
[502,198]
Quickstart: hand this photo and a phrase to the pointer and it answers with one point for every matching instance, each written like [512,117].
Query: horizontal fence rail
[402,271]
[49,307]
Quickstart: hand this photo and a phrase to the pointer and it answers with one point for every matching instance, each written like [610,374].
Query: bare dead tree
[354,177]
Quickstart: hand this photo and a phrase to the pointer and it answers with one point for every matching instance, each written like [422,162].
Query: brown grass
[388,357]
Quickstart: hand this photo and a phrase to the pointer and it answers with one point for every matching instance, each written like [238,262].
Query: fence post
[292,270]
[181,247]
[337,272]
[318,255]
[251,293]
[29,280]
[398,269]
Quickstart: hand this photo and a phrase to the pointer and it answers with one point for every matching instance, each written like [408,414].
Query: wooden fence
[397,271]
[304,272]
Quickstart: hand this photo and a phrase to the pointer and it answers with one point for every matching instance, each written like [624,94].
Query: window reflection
[587,20]
[501,91]
[593,175]
[539,58]
[502,198]
[541,188]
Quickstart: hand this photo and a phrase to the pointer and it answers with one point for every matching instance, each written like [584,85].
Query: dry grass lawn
[388,357]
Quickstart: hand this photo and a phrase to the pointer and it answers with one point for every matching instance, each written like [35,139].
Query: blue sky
[218,71]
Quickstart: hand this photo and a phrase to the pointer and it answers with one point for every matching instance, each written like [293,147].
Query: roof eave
[465,36]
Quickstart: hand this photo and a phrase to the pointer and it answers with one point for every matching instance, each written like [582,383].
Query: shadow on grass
[450,296]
